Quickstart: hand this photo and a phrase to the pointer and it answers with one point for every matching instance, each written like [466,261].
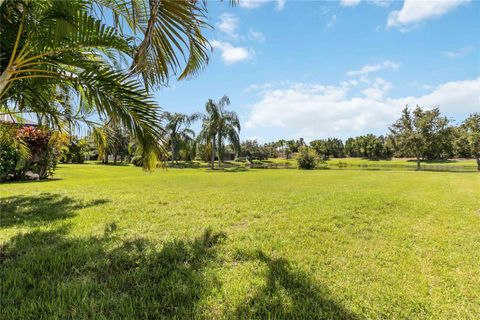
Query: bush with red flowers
[45,151]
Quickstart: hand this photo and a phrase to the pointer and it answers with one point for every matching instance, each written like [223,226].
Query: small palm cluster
[218,127]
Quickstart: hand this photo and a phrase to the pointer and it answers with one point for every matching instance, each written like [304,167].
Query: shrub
[76,151]
[10,163]
[44,150]
[307,159]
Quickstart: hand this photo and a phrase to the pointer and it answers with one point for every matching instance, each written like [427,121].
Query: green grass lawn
[104,242]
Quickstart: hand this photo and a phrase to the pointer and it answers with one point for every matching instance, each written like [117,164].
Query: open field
[110,242]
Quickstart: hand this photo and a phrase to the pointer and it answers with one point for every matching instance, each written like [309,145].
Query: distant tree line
[418,133]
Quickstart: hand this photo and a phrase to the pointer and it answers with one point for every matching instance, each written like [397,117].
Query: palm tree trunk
[478,164]
[219,151]
[173,152]
[213,152]
[418,164]
[5,77]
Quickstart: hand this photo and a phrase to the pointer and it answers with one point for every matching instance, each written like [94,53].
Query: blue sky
[318,69]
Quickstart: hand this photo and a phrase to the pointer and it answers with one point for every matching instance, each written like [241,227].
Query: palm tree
[106,65]
[281,143]
[220,125]
[177,129]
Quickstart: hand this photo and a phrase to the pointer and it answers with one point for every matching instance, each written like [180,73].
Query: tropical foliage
[179,134]
[76,151]
[220,125]
[28,148]
[63,61]
[468,141]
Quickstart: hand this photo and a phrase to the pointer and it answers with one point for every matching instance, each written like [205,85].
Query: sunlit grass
[115,242]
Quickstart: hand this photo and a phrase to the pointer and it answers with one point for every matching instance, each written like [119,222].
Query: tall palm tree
[106,54]
[177,129]
[218,126]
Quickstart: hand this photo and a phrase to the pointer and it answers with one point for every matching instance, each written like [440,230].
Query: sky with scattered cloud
[318,69]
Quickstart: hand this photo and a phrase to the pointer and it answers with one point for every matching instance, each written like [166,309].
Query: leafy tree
[272,149]
[320,147]
[470,135]
[307,159]
[204,149]
[416,132]
[292,146]
[331,147]
[189,149]
[218,126]
[178,131]
[350,148]
[335,147]
[112,139]
[251,149]
[51,46]
[118,140]
[76,150]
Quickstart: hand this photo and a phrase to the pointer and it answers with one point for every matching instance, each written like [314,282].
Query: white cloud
[251,4]
[378,89]
[315,111]
[280,4]
[380,3]
[353,3]
[453,97]
[349,3]
[228,24]
[350,83]
[457,54]
[414,11]
[387,64]
[266,86]
[256,35]
[231,54]
[257,87]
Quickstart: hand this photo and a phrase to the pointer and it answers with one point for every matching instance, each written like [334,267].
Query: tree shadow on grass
[289,294]
[38,209]
[50,179]
[46,275]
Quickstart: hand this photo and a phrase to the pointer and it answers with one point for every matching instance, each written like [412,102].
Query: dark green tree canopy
[420,133]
